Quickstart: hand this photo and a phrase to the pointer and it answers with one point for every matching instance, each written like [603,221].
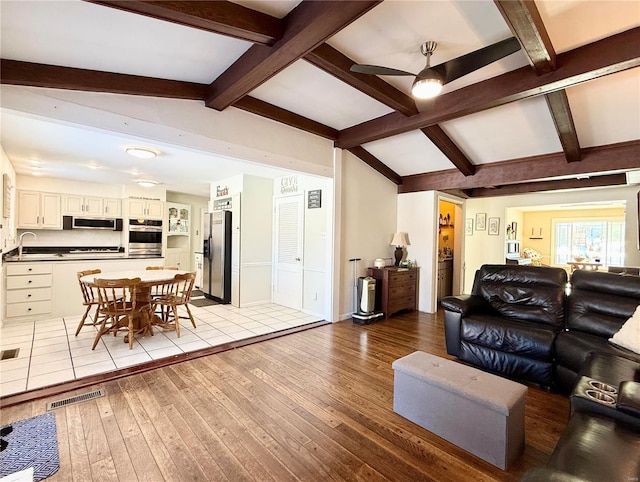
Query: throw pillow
[628,336]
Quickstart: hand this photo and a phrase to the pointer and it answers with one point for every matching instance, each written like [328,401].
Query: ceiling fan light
[426,88]
[141,152]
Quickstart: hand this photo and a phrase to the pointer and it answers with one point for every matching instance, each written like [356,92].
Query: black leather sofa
[509,323]
[602,438]
[519,322]
[597,307]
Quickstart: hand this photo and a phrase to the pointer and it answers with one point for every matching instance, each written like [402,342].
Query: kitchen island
[43,283]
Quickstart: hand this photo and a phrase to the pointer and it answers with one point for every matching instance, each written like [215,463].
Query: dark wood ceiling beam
[525,23]
[523,18]
[443,142]
[270,111]
[306,26]
[554,185]
[376,164]
[602,159]
[607,56]
[563,120]
[337,64]
[225,18]
[16,72]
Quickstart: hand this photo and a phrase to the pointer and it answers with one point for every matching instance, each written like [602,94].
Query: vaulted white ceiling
[89,36]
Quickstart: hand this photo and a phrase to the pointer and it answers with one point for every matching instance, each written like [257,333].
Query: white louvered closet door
[287,282]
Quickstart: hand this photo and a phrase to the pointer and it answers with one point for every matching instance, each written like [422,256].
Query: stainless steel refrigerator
[216,272]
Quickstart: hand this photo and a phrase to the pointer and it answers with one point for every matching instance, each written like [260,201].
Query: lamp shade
[400,239]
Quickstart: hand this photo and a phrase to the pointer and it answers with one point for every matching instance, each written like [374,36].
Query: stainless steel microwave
[72,222]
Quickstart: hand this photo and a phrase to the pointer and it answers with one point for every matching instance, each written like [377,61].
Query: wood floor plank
[314,405]
[154,442]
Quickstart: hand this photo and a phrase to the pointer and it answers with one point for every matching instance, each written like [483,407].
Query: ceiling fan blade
[465,64]
[377,70]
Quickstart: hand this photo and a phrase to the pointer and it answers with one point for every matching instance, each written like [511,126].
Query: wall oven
[145,237]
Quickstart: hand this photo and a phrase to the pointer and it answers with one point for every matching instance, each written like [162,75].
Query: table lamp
[399,241]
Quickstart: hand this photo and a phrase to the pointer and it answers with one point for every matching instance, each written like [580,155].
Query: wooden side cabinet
[396,289]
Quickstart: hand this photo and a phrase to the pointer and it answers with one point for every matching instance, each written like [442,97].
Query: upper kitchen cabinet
[74,205]
[178,251]
[39,210]
[179,219]
[145,209]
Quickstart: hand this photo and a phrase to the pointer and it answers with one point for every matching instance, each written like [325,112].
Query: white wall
[417,216]
[367,217]
[482,248]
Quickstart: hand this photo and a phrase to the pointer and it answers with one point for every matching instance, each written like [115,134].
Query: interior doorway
[450,245]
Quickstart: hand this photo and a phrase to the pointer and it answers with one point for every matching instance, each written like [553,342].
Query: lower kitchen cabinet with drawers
[396,289]
[28,289]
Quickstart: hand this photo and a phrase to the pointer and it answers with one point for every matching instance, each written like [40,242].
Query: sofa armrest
[629,398]
[455,307]
[465,304]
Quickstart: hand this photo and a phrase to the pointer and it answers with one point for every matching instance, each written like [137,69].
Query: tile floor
[50,353]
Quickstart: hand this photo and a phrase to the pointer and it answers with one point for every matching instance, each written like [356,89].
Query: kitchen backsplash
[76,237]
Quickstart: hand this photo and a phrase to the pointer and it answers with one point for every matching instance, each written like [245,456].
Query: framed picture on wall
[481,221]
[468,226]
[494,226]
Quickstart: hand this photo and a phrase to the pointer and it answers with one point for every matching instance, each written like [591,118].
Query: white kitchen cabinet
[39,210]
[28,289]
[112,207]
[178,257]
[75,205]
[145,209]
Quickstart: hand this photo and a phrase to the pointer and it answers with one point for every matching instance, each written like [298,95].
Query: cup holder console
[601,397]
[603,387]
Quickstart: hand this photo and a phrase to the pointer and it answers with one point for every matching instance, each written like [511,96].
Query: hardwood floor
[315,406]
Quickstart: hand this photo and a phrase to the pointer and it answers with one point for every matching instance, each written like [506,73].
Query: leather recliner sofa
[597,307]
[508,324]
[519,321]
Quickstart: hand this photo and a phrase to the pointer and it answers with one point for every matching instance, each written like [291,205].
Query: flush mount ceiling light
[146,182]
[141,152]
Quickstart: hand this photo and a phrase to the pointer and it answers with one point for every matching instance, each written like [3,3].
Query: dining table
[149,278]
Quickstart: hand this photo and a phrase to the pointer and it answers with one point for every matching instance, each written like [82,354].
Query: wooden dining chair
[90,296]
[119,305]
[158,291]
[177,293]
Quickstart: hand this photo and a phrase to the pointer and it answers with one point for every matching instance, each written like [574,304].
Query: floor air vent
[9,354]
[75,399]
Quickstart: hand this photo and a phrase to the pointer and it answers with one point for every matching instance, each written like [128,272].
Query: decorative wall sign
[289,184]
[222,191]
[314,199]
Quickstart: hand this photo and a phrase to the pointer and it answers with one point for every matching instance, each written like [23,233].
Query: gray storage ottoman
[477,411]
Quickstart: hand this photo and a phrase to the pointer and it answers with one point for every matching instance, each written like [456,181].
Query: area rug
[30,443]
[200,302]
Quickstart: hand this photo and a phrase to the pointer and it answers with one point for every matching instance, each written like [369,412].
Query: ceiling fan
[429,81]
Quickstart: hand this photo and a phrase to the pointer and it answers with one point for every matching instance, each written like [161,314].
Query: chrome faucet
[20,242]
